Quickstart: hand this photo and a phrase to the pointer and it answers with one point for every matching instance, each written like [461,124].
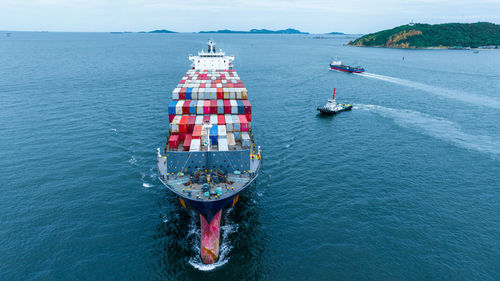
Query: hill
[259,31]
[162,31]
[438,35]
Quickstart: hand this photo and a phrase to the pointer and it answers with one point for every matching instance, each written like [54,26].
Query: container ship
[210,155]
[337,65]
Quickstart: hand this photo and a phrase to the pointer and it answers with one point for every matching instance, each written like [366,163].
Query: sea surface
[406,186]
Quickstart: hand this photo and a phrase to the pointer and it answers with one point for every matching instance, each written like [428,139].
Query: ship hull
[346,69]
[332,112]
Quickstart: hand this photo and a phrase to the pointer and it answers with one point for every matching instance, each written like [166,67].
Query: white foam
[132,160]
[437,127]
[469,98]
[146,185]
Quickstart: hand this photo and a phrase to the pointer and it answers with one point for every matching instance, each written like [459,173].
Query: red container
[171,118]
[248,107]
[229,85]
[183,124]
[227,106]
[206,107]
[182,136]
[182,82]
[185,107]
[190,124]
[221,119]
[187,142]
[249,117]
[206,119]
[173,141]
[220,94]
[196,132]
[213,107]
[182,94]
[202,85]
[243,123]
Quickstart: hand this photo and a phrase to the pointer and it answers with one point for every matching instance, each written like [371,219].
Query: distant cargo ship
[210,156]
[337,65]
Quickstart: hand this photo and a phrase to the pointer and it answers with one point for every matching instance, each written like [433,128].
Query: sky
[314,16]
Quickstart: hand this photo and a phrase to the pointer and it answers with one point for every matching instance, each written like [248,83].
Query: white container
[234,108]
[195,145]
[238,93]
[236,123]
[175,93]
[178,107]
[201,94]
[245,140]
[213,119]
[218,85]
[221,131]
[213,93]
[244,93]
[232,93]
[194,94]
[199,120]
[223,144]
[229,122]
[174,126]
[199,107]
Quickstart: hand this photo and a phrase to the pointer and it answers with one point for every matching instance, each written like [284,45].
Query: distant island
[259,31]
[448,35]
[336,33]
[162,31]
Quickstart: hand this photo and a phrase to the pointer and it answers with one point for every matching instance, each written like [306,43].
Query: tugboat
[337,65]
[332,107]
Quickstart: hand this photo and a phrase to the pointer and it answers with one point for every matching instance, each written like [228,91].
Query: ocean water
[406,186]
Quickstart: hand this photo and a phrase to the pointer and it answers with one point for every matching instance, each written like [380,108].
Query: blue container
[188,93]
[220,107]
[171,107]
[192,107]
[213,134]
[237,135]
[241,107]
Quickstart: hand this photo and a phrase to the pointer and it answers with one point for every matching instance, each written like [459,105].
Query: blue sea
[406,186]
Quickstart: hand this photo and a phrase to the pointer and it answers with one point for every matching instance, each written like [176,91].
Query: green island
[448,35]
[259,31]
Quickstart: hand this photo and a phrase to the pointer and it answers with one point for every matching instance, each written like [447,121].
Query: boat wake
[480,100]
[436,127]
[194,236]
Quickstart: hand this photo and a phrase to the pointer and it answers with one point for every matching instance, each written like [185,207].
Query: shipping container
[236,123]
[174,126]
[213,135]
[171,118]
[248,107]
[194,93]
[232,94]
[220,93]
[192,107]
[187,142]
[199,120]
[245,140]
[206,107]
[178,107]
[182,94]
[171,107]
[237,136]
[243,123]
[244,94]
[175,93]
[230,139]
[213,92]
[229,122]
[183,124]
[195,145]
[227,106]
[249,117]
[201,93]
[206,119]
[223,144]
[188,93]
[221,131]
[213,119]
[220,107]
[234,107]
[213,107]
[199,107]
[197,132]
[190,124]
[226,93]
[185,107]
[241,107]
[221,120]
[238,93]
[173,141]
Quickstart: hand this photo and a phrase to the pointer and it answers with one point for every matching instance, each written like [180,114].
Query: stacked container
[217,97]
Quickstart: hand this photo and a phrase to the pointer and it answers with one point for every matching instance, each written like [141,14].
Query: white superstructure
[212,60]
